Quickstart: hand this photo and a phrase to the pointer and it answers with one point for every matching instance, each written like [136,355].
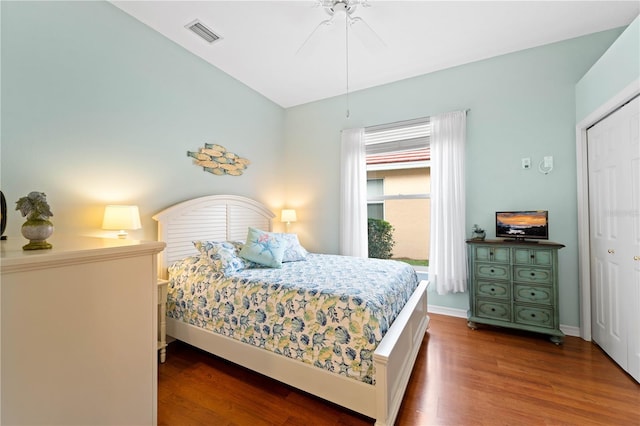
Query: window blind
[406,135]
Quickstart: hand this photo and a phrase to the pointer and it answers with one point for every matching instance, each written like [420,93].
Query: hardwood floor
[462,377]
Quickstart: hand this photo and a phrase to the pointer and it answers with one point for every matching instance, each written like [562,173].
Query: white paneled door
[614,209]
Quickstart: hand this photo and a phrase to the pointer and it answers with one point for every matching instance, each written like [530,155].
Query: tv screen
[521,225]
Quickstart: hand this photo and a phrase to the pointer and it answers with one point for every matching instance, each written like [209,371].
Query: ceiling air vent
[201,30]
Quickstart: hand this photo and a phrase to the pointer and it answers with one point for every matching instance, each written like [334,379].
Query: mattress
[329,311]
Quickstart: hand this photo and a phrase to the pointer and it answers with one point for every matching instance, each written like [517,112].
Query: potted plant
[478,233]
[37,228]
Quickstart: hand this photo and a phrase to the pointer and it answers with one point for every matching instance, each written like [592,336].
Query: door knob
[636,257]
[611,251]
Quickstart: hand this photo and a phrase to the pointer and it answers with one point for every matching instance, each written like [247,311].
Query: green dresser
[515,284]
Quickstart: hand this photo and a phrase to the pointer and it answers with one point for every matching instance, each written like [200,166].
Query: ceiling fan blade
[367,35]
[305,44]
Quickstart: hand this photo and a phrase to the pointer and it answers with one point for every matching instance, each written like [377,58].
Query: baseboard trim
[450,312]
[570,330]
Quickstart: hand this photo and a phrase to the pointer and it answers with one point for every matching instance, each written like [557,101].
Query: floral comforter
[330,311]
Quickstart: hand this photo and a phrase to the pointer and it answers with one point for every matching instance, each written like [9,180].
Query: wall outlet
[526,163]
[548,162]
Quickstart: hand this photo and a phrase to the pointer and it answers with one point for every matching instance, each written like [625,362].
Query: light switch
[526,163]
[548,162]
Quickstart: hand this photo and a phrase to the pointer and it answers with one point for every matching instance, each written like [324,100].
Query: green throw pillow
[264,248]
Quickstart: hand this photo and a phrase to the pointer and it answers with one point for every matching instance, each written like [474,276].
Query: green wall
[521,105]
[614,71]
[98,108]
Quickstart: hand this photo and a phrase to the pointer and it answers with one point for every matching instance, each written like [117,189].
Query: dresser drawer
[498,290]
[528,256]
[493,310]
[533,294]
[529,274]
[534,315]
[493,271]
[492,254]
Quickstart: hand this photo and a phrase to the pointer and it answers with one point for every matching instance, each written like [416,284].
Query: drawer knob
[533,294]
[492,271]
[533,274]
[533,315]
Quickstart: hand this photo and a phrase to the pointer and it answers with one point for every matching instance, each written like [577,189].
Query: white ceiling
[260,39]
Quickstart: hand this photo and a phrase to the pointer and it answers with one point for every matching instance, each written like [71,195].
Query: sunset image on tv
[522,224]
[524,218]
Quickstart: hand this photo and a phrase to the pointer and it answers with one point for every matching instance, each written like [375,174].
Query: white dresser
[79,332]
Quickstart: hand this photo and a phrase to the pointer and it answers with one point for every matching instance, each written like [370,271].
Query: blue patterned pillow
[264,248]
[223,256]
[293,251]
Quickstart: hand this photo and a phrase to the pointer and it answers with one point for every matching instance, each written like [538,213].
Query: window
[375,191]
[398,178]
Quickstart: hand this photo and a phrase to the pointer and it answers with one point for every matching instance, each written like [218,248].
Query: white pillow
[293,251]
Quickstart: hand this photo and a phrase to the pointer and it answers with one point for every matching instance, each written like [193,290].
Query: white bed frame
[226,218]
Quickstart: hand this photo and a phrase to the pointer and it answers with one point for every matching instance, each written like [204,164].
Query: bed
[227,218]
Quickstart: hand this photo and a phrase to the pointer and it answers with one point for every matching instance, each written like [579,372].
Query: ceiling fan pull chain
[346,32]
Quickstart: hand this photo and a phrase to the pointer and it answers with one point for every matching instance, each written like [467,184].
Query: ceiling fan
[340,11]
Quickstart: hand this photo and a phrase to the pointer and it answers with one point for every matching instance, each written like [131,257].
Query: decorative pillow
[222,255]
[293,251]
[247,263]
[264,248]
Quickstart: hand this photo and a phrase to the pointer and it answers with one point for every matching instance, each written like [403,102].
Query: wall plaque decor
[216,159]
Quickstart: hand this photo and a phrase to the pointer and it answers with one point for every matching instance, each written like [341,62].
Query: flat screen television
[523,225]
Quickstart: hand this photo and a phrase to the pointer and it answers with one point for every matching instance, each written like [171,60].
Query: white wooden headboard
[209,218]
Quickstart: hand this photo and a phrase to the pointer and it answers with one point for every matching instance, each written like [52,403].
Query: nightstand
[162,319]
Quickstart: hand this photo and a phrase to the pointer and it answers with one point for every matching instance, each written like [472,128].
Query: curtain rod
[391,125]
[404,122]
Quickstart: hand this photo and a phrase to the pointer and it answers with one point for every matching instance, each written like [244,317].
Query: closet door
[614,208]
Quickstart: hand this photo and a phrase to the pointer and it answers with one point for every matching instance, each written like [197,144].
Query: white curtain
[448,256]
[353,197]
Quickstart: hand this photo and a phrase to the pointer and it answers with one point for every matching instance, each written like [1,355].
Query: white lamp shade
[288,215]
[121,217]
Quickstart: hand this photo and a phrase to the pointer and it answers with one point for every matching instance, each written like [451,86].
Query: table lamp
[287,216]
[121,218]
